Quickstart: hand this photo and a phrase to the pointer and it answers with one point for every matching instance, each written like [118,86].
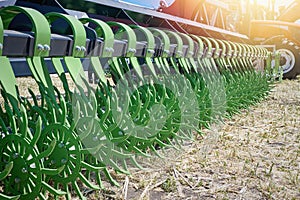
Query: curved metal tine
[116,69]
[110,178]
[221,59]
[114,160]
[56,192]
[161,62]
[161,67]
[137,68]
[6,171]
[251,53]
[136,64]
[240,59]
[209,75]
[241,56]
[228,57]
[100,167]
[78,191]
[155,151]
[6,197]
[104,31]
[235,55]
[8,81]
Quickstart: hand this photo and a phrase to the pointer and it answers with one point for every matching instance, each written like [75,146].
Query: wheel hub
[287,60]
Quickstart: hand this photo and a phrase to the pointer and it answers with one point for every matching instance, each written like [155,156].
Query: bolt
[167,51]
[78,48]
[47,47]
[151,51]
[40,47]
[24,170]
[9,129]
[15,155]
[109,49]
[121,133]
[17,180]
[132,50]
[95,139]
[64,161]
[61,145]
[83,49]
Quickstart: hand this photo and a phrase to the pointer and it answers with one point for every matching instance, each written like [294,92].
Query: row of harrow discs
[165,86]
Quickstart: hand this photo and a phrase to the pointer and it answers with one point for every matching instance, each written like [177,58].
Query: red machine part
[183,8]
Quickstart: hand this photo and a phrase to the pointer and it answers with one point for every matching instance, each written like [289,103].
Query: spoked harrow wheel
[25,178]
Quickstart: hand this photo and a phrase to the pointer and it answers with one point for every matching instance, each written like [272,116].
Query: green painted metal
[75,68]
[40,26]
[103,30]
[74,136]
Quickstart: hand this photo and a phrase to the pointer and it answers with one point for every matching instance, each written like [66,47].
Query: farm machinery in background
[275,29]
[115,82]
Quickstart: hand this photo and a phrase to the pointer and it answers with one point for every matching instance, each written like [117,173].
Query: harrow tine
[91,167]
[110,178]
[77,190]
[156,152]
[48,151]
[138,151]
[5,197]
[52,172]
[12,119]
[88,183]
[6,170]
[52,190]
[133,160]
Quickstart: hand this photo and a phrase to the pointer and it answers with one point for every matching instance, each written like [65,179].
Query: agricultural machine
[119,80]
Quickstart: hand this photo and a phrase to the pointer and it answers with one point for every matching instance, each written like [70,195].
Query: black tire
[289,60]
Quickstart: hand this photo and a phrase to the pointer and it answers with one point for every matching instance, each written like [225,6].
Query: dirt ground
[254,155]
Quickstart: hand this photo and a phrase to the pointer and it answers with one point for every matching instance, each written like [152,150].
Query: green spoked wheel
[66,154]
[25,178]
[158,110]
